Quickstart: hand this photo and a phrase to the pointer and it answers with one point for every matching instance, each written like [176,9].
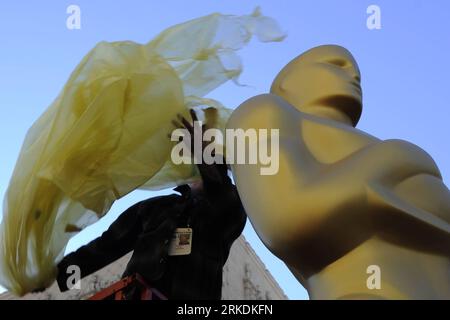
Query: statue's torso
[333,185]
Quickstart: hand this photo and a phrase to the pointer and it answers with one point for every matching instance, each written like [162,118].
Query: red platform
[117,291]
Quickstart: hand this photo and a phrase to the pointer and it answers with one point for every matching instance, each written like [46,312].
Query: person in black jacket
[210,210]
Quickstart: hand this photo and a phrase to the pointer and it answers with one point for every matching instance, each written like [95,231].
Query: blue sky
[404,66]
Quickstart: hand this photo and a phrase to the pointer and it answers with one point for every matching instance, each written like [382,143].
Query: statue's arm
[421,201]
[427,192]
[270,200]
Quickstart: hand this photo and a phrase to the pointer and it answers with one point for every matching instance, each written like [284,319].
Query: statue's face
[324,80]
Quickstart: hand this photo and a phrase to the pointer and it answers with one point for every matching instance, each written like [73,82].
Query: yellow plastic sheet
[106,135]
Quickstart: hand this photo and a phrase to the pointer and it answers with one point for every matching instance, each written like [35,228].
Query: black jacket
[216,217]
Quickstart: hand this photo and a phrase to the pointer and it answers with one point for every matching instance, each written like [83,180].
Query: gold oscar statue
[352,216]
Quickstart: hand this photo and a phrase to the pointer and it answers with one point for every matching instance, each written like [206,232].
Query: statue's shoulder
[263,110]
[408,154]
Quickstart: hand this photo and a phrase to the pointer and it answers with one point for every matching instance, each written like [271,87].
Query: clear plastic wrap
[106,135]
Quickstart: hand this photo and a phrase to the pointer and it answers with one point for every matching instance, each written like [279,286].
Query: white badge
[181,242]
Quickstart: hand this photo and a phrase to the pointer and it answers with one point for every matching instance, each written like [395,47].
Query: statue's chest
[329,143]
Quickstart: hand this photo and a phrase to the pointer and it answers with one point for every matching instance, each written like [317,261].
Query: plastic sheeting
[105,135]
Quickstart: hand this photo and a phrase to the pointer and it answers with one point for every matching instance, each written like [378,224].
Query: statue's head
[323,81]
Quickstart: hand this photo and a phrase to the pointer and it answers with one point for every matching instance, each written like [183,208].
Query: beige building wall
[244,277]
